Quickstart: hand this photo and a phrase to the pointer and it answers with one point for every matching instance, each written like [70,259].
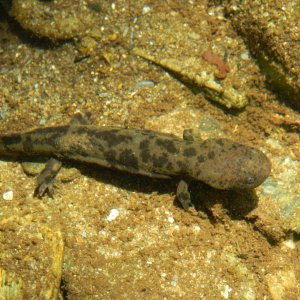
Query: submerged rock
[271,30]
[54,21]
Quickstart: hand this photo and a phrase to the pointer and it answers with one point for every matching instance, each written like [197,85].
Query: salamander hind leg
[191,135]
[45,179]
[183,195]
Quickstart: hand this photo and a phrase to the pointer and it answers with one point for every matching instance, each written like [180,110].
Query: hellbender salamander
[220,163]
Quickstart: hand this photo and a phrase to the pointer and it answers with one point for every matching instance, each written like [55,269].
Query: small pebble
[146,9]
[208,124]
[171,220]
[245,56]
[42,121]
[289,244]
[2,114]
[68,174]
[114,213]
[8,195]
[144,83]
[32,168]
[197,228]
[226,292]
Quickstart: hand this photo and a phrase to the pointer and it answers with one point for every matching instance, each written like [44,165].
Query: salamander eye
[250,180]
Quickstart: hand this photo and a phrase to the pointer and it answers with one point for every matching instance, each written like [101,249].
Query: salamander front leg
[46,178]
[183,195]
[191,135]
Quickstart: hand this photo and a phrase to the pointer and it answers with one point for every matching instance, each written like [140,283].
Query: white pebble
[171,220]
[113,214]
[146,9]
[8,195]
[226,292]
[289,244]
[174,283]
[144,83]
[245,56]
[197,228]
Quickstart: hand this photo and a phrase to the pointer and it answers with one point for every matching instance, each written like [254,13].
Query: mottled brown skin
[220,163]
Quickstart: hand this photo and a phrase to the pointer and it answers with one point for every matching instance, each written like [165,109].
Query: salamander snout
[232,166]
[253,169]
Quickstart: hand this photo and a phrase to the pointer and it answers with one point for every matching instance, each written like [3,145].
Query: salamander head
[234,166]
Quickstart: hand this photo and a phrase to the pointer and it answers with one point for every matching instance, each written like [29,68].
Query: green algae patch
[11,287]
